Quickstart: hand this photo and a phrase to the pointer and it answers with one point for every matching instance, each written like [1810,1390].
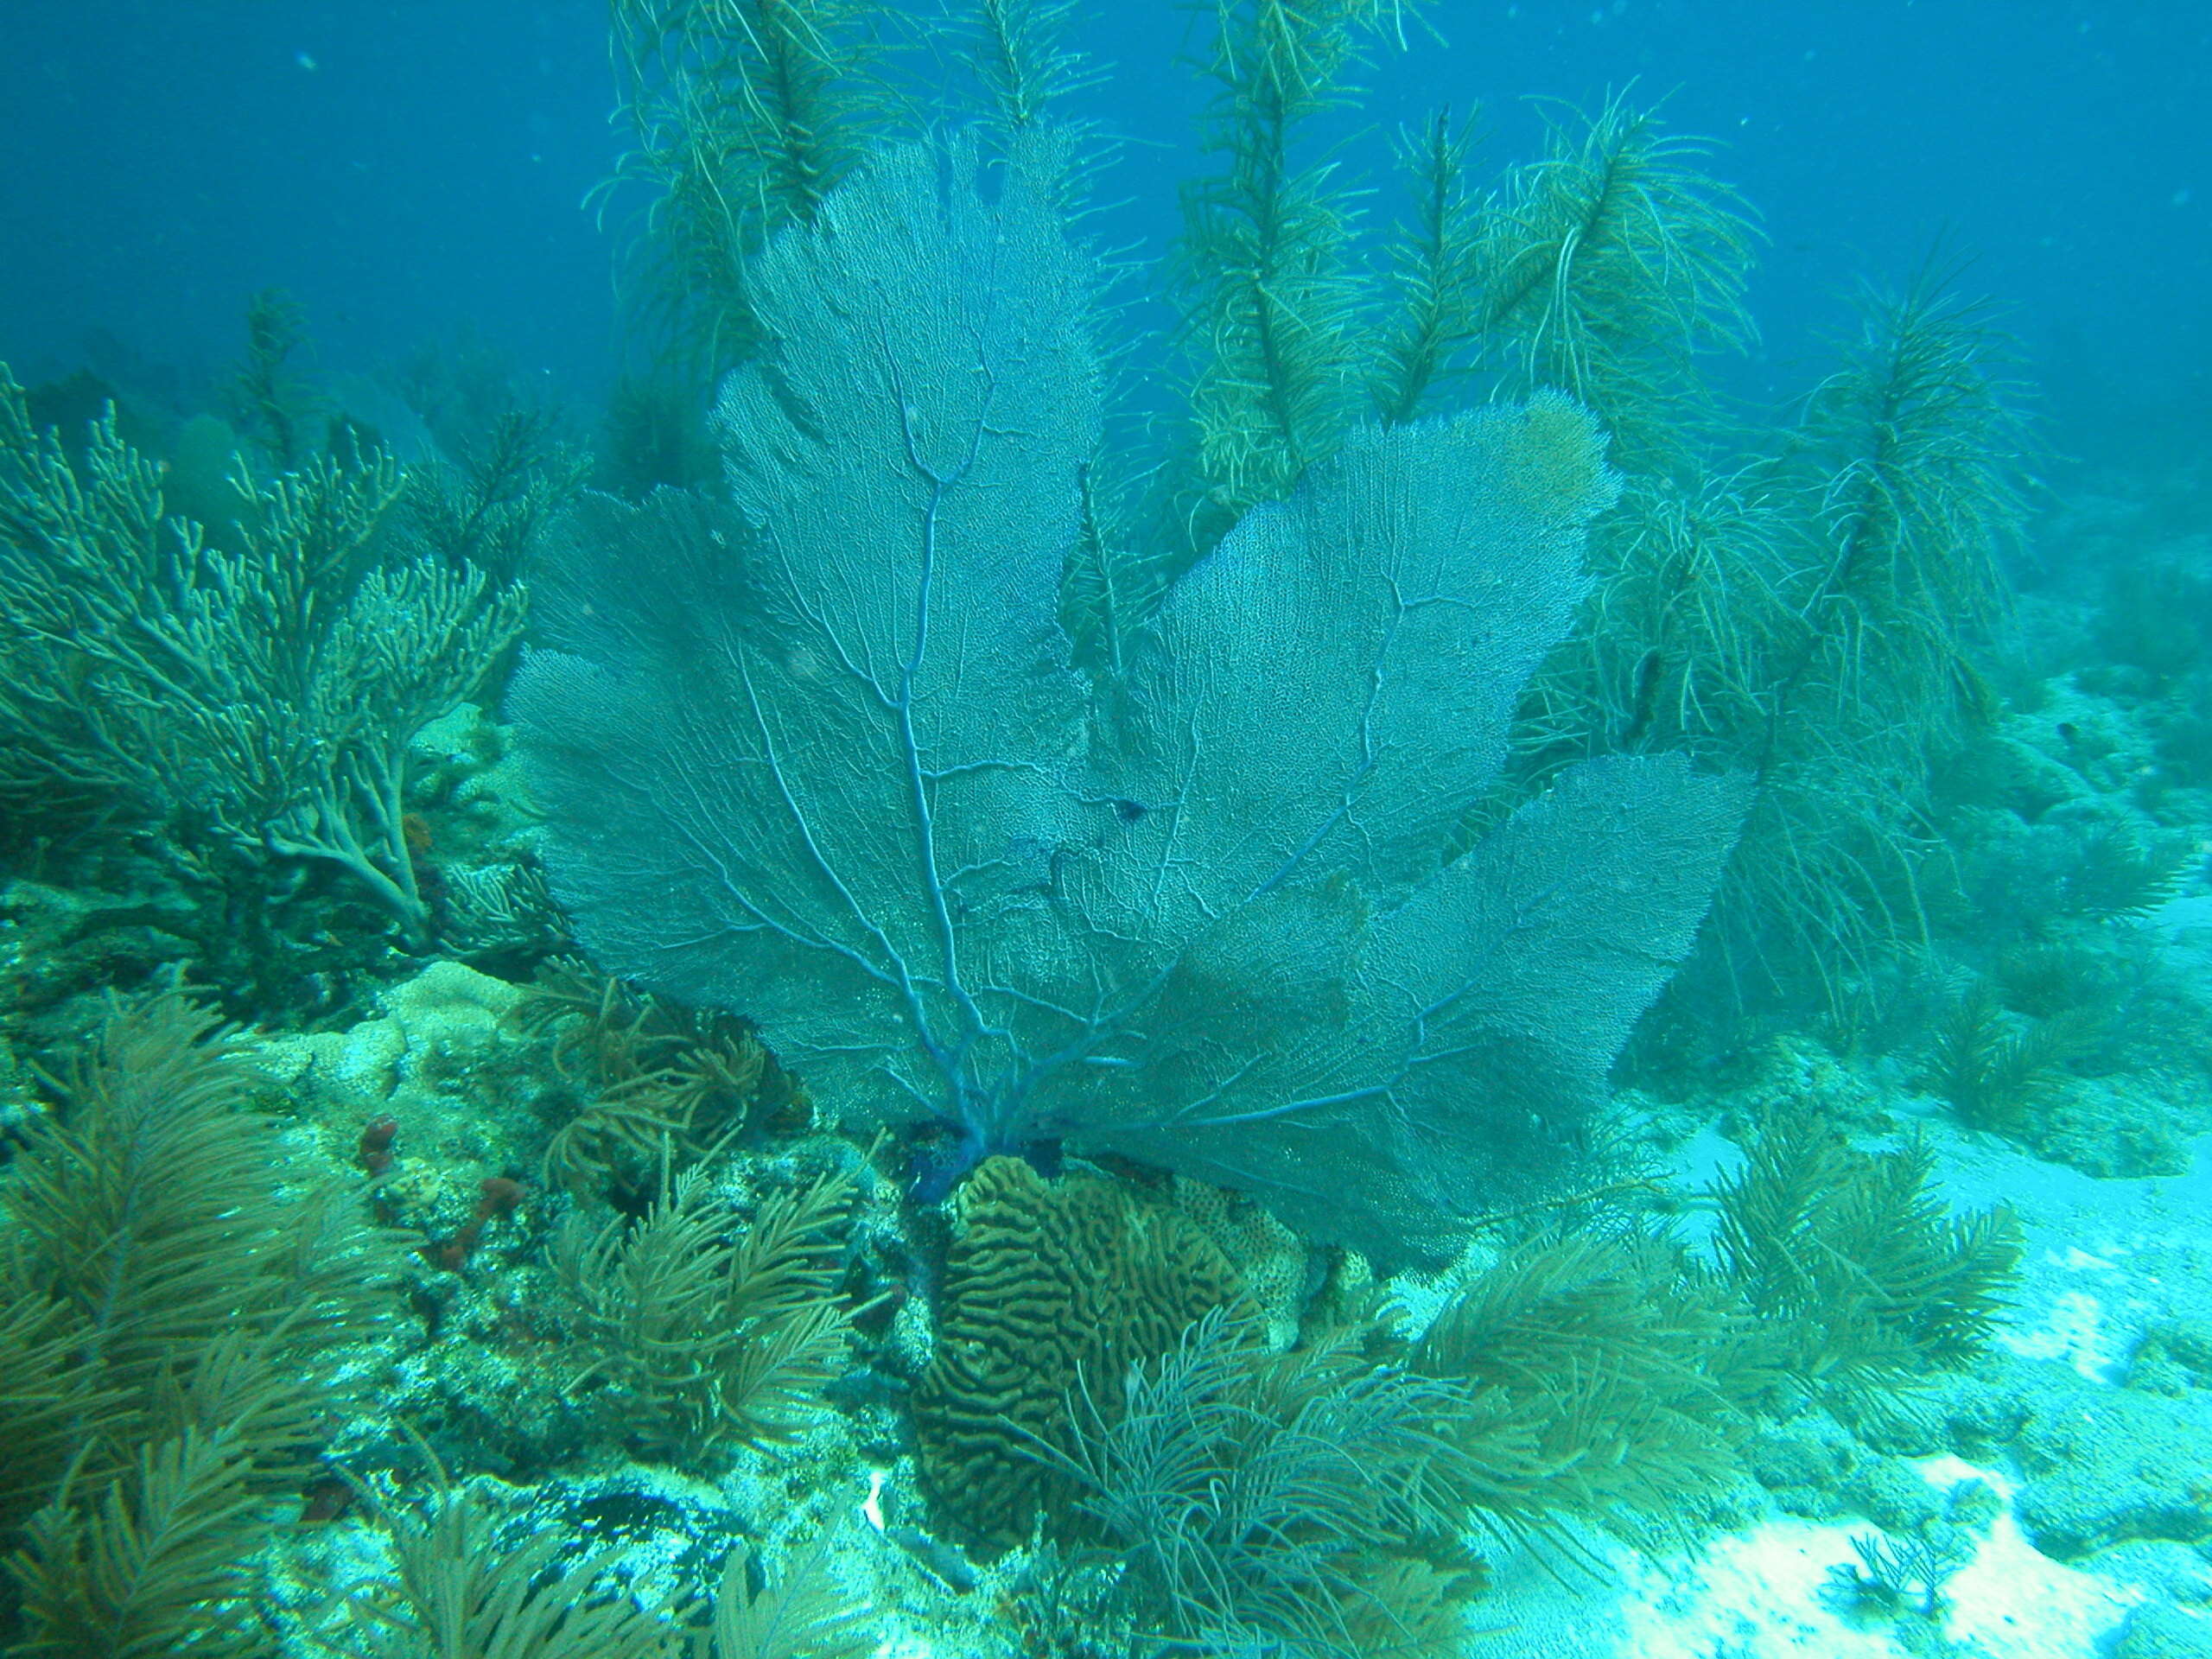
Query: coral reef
[1852,1261]
[1294,1499]
[1600,1371]
[181,1337]
[1223,799]
[654,1083]
[703,1332]
[248,711]
[1202,917]
[1049,1289]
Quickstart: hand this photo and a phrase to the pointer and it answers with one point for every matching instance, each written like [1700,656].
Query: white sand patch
[1770,1593]
[2011,1600]
[2073,1333]
[2075,1259]
[1757,1595]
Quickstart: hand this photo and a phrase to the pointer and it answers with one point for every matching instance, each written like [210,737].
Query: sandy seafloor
[2107,1262]
[2105,1259]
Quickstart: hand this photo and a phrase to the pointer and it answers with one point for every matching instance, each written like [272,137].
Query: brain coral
[1047,1282]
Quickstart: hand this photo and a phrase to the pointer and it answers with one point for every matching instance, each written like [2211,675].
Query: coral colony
[888,1005]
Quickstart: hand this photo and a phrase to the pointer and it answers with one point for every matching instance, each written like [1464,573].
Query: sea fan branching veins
[825,753]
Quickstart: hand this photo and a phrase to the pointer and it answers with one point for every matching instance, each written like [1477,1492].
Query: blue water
[409,169]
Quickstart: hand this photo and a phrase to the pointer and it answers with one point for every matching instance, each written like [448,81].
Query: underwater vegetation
[1603,269]
[1852,1265]
[183,1335]
[1893,1577]
[179,1325]
[1197,912]
[1324,1498]
[1280,1499]
[484,508]
[274,402]
[1270,292]
[970,974]
[248,703]
[705,1334]
[184,1330]
[1600,1370]
[650,1083]
[1990,1068]
[742,117]
[1812,615]
[233,709]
